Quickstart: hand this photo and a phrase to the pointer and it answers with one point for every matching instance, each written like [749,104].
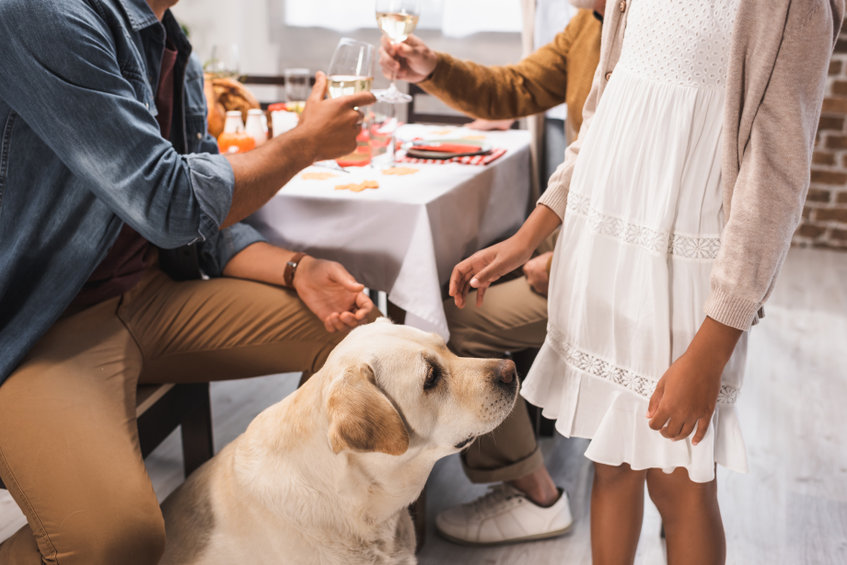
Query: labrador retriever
[326,475]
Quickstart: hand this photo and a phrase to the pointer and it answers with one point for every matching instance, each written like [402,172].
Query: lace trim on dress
[594,366]
[689,247]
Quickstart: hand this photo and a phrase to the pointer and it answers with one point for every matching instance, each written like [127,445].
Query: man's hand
[411,60]
[535,271]
[332,124]
[332,294]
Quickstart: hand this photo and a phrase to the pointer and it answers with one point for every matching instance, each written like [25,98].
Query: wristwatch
[291,269]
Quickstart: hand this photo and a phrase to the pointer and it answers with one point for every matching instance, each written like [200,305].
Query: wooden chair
[159,409]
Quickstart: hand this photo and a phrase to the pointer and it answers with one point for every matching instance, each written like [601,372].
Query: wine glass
[351,71]
[297,88]
[397,19]
[224,61]
[351,68]
[382,125]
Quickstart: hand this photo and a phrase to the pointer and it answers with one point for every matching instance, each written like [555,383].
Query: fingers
[319,90]
[353,101]
[656,398]
[702,428]
[480,294]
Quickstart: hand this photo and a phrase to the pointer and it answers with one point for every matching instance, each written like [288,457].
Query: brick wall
[825,216]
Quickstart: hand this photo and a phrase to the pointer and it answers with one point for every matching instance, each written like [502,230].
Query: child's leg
[617,507]
[691,517]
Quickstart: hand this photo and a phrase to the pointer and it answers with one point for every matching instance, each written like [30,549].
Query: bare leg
[617,509]
[691,517]
[538,486]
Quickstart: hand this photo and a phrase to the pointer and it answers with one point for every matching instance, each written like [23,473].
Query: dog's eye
[432,376]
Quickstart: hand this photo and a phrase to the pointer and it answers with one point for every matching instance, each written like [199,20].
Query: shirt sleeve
[94,109]
[535,84]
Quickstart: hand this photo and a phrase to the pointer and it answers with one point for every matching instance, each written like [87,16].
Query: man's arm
[535,84]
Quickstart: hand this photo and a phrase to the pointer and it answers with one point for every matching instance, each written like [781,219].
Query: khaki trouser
[511,318]
[69,450]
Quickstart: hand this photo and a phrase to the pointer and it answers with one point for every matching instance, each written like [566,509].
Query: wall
[825,216]
[268,46]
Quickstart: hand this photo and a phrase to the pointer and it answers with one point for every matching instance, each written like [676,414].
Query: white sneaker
[504,515]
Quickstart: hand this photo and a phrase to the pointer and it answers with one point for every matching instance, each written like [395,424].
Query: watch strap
[291,269]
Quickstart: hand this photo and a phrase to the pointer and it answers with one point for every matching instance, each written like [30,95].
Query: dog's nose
[506,372]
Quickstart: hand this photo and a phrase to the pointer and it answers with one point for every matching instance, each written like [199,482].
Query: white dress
[630,274]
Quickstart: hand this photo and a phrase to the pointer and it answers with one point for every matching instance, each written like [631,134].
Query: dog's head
[395,387]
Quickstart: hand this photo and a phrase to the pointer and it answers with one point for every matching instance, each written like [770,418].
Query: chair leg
[196,426]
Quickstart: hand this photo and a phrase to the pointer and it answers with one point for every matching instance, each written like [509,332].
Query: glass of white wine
[224,61]
[351,68]
[397,19]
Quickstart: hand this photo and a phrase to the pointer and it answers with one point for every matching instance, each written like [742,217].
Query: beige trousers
[511,318]
[69,450]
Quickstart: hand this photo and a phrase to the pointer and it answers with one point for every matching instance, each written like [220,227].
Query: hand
[535,271]
[410,60]
[486,266]
[332,124]
[481,124]
[332,294]
[684,398]
[686,395]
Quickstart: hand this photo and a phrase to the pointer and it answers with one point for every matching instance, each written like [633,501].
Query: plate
[428,149]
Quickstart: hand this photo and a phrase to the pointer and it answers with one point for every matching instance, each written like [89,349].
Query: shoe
[504,515]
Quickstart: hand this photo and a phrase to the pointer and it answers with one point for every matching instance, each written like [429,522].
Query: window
[453,18]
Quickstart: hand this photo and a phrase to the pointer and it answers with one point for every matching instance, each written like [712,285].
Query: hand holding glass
[397,19]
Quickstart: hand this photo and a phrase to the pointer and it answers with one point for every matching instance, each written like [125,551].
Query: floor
[790,508]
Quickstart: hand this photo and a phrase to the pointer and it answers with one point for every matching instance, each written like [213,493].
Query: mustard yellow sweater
[561,71]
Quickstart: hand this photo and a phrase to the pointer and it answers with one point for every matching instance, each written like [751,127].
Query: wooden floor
[790,508]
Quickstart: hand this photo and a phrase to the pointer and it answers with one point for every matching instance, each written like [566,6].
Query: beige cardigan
[775,86]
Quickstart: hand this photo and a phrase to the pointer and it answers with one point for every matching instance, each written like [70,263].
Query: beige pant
[511,318]
[69,450]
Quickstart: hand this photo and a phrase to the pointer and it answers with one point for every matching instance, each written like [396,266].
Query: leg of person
[69,451]
[690,515]
[528,506]
[197,331]
[617,509]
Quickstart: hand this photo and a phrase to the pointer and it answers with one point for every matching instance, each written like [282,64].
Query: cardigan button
[608,75]
[622,6]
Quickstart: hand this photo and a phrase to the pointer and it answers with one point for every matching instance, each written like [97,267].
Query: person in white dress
[631,360]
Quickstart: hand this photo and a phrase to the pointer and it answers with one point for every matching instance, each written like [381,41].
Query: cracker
[317,175]
[400,171]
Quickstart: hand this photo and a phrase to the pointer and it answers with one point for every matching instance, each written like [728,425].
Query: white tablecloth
[405,237]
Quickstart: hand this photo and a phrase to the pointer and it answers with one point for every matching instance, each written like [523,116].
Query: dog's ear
[361,418]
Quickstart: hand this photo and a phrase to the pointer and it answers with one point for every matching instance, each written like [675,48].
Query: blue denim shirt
[81,153]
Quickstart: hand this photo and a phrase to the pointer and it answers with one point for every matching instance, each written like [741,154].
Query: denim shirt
[81,154]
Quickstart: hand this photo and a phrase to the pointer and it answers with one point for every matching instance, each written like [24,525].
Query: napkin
[466,160]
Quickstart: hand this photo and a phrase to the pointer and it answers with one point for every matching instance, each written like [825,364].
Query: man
[104,157]
[514,317]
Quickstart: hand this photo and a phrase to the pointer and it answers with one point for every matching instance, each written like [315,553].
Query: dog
[326,475]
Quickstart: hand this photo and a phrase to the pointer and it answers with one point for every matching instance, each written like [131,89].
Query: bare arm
[487,265]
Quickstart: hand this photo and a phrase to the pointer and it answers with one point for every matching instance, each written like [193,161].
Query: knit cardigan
[778,67]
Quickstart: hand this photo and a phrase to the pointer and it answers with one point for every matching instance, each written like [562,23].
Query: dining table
[402,229]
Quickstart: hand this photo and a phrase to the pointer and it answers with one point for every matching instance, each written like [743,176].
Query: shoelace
[495,496]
